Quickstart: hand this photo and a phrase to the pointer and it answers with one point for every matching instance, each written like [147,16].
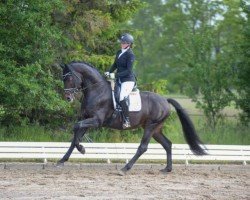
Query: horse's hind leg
[148,132]
[167,145]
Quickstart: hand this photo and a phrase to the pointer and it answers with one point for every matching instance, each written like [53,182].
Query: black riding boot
[125,111]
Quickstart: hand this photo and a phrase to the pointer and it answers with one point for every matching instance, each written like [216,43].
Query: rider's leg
[126,88]
[125,112]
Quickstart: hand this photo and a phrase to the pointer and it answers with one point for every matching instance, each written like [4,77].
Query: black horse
[97,109]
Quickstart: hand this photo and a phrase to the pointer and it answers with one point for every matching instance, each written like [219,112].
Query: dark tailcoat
[124,65]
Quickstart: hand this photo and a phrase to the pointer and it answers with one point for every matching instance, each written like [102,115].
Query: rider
[123,64]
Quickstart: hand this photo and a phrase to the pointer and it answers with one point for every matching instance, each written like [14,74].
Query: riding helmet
[127,38]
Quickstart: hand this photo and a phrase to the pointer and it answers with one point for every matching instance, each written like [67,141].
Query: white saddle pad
[134,101]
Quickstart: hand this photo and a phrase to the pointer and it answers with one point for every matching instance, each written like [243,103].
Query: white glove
[107,74]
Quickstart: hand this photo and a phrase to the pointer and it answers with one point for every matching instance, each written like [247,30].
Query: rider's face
[124,45]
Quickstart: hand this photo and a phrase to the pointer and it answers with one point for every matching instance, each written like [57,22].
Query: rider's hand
[107,74]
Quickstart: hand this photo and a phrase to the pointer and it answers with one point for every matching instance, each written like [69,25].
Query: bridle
[75,90]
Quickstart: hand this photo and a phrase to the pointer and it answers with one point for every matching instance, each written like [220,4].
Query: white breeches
[126,88]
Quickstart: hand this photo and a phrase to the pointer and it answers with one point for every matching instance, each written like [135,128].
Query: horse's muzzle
[69,97]
[69,94]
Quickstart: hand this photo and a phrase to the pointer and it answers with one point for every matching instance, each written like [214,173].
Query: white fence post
[243,155]
[45,157]
[108,160]
[186,158]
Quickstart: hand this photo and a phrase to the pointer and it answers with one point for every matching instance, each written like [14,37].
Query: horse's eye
[64,77]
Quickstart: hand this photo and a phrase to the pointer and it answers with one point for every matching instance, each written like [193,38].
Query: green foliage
[27,94]
[27,35]
[228,132]
[207,62]
[197,47]
[243,69]
[151,61]
[33,133]
[193,45]
[37,35]
[159,86]
[28,89]
[92,29]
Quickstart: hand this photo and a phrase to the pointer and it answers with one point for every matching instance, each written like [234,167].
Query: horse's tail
[188,128]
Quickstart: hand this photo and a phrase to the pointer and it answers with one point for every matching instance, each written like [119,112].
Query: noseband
[73,90]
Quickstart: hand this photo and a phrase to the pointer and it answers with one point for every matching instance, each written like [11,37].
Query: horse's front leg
[79,135]
[68,153]
[80,129]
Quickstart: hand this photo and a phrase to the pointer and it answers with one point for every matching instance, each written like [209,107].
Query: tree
[195,44]
[243,69]
[148,23]
[36,36]
[28,90]
[207,49]
[92,29]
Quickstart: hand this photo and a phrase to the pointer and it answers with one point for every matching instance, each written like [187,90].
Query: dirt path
[101,181]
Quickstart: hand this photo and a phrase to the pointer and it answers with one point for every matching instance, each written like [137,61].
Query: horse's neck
[90,75]
[92,80]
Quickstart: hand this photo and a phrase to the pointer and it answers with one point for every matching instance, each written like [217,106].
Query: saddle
[134,98]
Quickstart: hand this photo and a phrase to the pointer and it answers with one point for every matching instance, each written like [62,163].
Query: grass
[191,109]
[228,131]
[32,133]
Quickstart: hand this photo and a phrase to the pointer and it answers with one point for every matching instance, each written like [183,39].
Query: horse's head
[72,82]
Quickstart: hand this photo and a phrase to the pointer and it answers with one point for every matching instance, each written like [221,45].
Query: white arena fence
[121,151]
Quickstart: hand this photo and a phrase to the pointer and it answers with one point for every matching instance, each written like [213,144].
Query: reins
[75,89]
[90,85]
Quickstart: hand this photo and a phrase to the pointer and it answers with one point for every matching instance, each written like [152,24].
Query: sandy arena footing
[102,181]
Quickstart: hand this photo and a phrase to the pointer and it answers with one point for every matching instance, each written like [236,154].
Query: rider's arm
[114,66]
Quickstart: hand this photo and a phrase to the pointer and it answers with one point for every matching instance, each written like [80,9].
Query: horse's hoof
[59,164]
[81,149]
[166,170]
[122,172]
